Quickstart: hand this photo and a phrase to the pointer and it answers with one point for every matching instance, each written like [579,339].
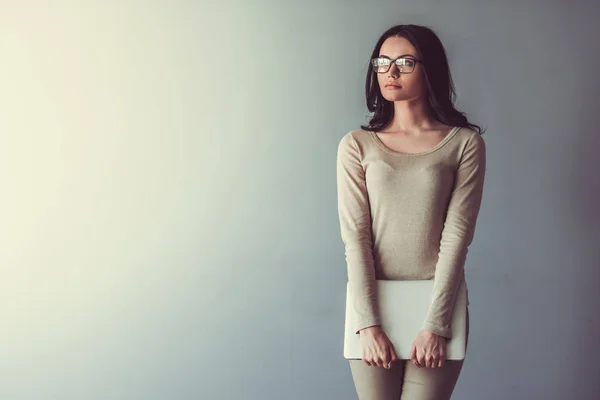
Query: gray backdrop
[168,198]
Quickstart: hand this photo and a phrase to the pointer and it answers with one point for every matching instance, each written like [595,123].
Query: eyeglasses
[405,65]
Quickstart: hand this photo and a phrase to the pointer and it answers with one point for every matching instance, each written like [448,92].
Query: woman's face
[412,85]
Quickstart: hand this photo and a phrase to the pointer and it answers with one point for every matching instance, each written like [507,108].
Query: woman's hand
[376,347]
[428,350]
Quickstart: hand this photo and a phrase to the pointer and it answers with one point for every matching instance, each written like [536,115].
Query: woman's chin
[394,96]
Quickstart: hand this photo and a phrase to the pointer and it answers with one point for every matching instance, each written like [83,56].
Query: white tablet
[403,307]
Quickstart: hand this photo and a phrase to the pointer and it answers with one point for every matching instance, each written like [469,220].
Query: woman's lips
[393,87]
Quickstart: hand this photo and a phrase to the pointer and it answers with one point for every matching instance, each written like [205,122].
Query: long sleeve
[457,235]
[355,226]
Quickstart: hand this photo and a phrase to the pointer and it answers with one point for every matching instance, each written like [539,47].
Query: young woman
[409,186]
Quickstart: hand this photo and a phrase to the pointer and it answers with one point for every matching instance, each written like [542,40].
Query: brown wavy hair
[441,94]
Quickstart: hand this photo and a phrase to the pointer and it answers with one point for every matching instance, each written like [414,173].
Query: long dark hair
[438,79]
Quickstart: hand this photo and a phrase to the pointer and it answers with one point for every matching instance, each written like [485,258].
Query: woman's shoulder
[354,138]
[469,135]
[355,134]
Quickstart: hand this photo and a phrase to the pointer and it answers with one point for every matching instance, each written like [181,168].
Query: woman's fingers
[382,358]
[389,352]
[411,354]
[432,360]
[385,359]
[441,354]
[365,358]
[378,349]
[385,356]
[415,357]
[421,358]
[442,358]
[374,359]
[393,355]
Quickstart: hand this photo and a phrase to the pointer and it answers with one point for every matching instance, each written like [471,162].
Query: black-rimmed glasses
[405,65]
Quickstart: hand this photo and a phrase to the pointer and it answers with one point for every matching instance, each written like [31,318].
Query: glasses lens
[405,64]
[381,64]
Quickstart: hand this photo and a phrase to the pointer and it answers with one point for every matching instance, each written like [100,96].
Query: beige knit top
[409,216]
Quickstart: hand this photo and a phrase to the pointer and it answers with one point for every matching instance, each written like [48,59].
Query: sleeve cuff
[365,323]
[438,330]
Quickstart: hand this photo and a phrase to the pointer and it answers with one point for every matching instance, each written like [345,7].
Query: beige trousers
[405,381]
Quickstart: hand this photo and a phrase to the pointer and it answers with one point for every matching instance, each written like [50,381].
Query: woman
[409,186]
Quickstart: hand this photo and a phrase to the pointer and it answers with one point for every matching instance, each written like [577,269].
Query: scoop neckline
[445,140]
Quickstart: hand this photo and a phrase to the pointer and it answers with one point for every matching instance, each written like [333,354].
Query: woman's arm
[457,235]
[355,226]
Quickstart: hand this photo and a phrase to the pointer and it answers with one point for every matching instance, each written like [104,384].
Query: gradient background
[168,205]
